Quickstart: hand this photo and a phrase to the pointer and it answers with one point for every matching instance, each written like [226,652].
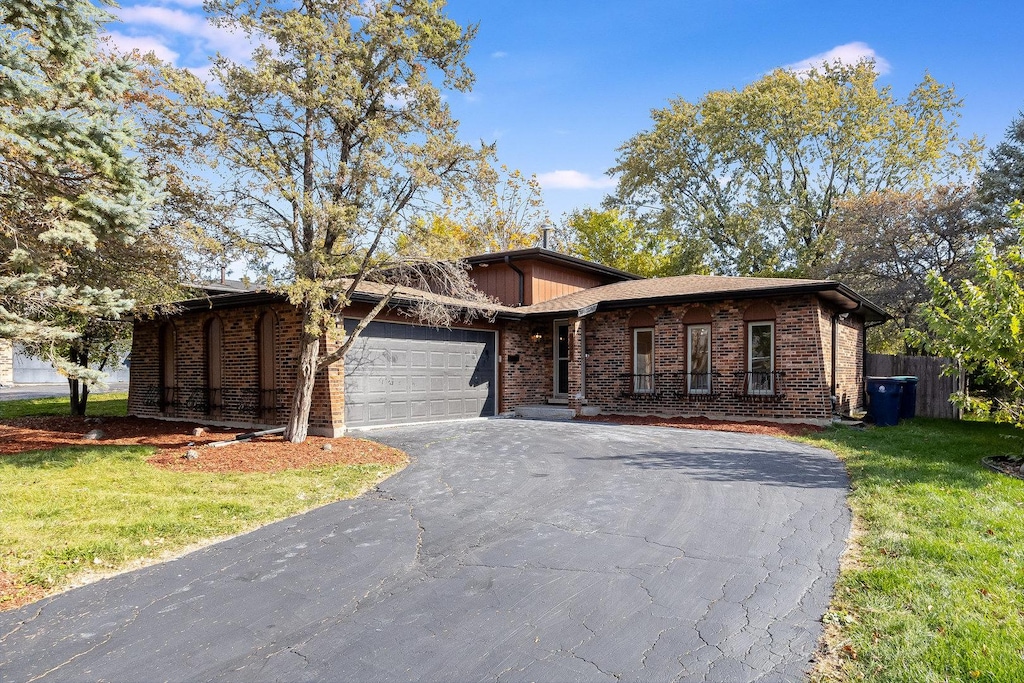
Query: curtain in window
[700,359]
[760,358]
[643,360]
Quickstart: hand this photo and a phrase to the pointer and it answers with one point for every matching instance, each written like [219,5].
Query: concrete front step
[545,413]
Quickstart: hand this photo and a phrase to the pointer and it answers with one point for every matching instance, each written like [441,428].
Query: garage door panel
[398,373]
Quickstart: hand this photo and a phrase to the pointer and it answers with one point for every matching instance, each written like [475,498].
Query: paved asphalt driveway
[507,551]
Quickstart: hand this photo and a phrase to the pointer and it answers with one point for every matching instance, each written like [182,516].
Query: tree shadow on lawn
[932,452]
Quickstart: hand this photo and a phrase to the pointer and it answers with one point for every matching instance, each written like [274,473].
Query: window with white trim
[698,354]
[761,358]
[643,360]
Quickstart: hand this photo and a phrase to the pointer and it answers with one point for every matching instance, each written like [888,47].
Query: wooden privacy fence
[933,388]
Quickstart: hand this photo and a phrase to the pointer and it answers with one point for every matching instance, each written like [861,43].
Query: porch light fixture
[537,334]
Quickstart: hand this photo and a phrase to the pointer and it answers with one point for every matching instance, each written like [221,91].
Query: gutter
[522,279]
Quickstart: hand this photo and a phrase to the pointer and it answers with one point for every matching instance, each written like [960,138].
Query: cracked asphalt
[508,550]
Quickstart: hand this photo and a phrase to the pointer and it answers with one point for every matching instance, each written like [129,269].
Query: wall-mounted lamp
[537,334]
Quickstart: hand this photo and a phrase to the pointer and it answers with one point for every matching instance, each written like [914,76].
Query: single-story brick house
[566,331]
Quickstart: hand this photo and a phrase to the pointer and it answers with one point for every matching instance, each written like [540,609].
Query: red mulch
[174,439]
[767,428]
[14,593]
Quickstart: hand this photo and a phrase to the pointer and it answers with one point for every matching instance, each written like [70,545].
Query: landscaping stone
[93,435]
[327,447]
[198,431]
[191,454]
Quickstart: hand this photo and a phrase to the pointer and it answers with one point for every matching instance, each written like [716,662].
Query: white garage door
[396,373]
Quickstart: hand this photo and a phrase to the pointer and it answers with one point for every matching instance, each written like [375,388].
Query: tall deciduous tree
[501,211]
[330,141]
[750,177]
[886,243]
[69,181]
[616,240]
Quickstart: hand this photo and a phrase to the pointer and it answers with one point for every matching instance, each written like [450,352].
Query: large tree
[616,240]
[978,322]
[750,177]
[885,244]
[502,210]
[330,141]
[69,180]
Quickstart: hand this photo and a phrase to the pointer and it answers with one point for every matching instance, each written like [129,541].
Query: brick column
[327,416]
[577,333]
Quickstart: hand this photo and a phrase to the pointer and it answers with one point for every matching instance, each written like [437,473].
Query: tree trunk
[78,389]
[73,388]
[309,354]
[83,400]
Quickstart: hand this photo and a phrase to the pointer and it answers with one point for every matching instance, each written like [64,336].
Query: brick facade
[600,364]
[242,399]
[802,339]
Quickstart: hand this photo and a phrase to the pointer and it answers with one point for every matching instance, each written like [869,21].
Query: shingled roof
[625,294]
[699,288]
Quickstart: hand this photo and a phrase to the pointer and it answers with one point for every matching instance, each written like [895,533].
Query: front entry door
[561,357]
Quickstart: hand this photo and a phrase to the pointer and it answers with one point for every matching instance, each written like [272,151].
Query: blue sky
[562,83]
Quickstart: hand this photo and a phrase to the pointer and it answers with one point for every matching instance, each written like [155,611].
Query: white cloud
[500,54]
[849,53]
[189,31]
[573,180]
[201,72]
[144,44]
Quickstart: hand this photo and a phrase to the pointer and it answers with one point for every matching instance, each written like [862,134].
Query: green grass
[99,405]
[67,510]
[934,589]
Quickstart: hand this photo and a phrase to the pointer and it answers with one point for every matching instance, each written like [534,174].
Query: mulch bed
[15,593]
[1005,464]
[174,439]
[767,428]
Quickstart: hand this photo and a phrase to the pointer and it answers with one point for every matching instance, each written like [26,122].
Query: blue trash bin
[884,397]
[908,401]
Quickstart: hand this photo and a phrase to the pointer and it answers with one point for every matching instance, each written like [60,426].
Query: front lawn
[98,405]
[70,511]
[932,588]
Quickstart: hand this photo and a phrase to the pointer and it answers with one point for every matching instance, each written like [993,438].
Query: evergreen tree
[68,180]
[1001,182]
